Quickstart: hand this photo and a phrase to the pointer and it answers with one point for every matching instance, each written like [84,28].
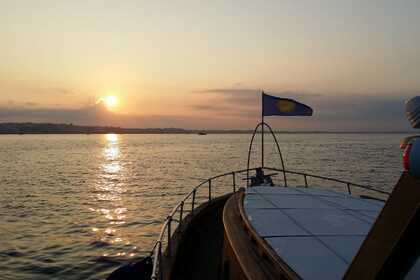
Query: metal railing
[347,184]
[262,124]
[190,201]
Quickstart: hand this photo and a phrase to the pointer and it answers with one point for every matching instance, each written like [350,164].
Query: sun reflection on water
[111,137]
[109,192]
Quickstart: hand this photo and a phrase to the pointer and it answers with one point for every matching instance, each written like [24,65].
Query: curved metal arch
[278,149]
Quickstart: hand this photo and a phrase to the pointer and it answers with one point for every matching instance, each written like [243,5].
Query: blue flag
[276,106]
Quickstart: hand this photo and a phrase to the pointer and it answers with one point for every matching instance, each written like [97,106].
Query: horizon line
[37,128]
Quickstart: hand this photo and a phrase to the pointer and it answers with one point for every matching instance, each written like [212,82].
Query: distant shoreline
[52,128]
[209,133]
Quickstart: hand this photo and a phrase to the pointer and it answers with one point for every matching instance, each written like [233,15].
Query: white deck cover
[317,232]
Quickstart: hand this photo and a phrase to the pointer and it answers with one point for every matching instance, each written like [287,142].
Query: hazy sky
[201,64]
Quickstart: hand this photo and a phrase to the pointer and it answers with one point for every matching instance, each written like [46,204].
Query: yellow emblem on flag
[285,106]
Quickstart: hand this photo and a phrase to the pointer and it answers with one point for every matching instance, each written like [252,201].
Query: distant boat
[202,133]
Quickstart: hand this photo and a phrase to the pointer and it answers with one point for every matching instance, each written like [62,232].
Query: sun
[111,102]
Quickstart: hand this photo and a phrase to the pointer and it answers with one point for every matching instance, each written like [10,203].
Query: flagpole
[262,129]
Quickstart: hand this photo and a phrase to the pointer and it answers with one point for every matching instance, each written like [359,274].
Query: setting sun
[111,102]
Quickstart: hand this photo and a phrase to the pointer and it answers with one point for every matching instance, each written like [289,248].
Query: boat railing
[348,185]
[187,205]
[191,201]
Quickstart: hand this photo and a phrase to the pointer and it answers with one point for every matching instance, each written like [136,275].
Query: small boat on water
[202,133]
[289,228]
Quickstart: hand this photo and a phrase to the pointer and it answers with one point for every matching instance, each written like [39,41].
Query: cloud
[84,115]
[97,114]
[348,112]
[243,102]
[225,110]
[64,91]
[361,112]
[236,109]
[212,108]
[30,104]
[250,96]
[229,91]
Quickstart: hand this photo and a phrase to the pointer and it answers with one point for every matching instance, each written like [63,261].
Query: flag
[276,106]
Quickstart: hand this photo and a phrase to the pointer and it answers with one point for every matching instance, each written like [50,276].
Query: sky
[203,64]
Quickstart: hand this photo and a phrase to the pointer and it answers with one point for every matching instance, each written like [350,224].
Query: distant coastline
[60,128]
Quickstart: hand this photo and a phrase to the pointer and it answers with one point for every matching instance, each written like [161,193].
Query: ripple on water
[99,244]
[11,253]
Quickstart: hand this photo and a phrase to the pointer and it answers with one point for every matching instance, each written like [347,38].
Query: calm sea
[78,206]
